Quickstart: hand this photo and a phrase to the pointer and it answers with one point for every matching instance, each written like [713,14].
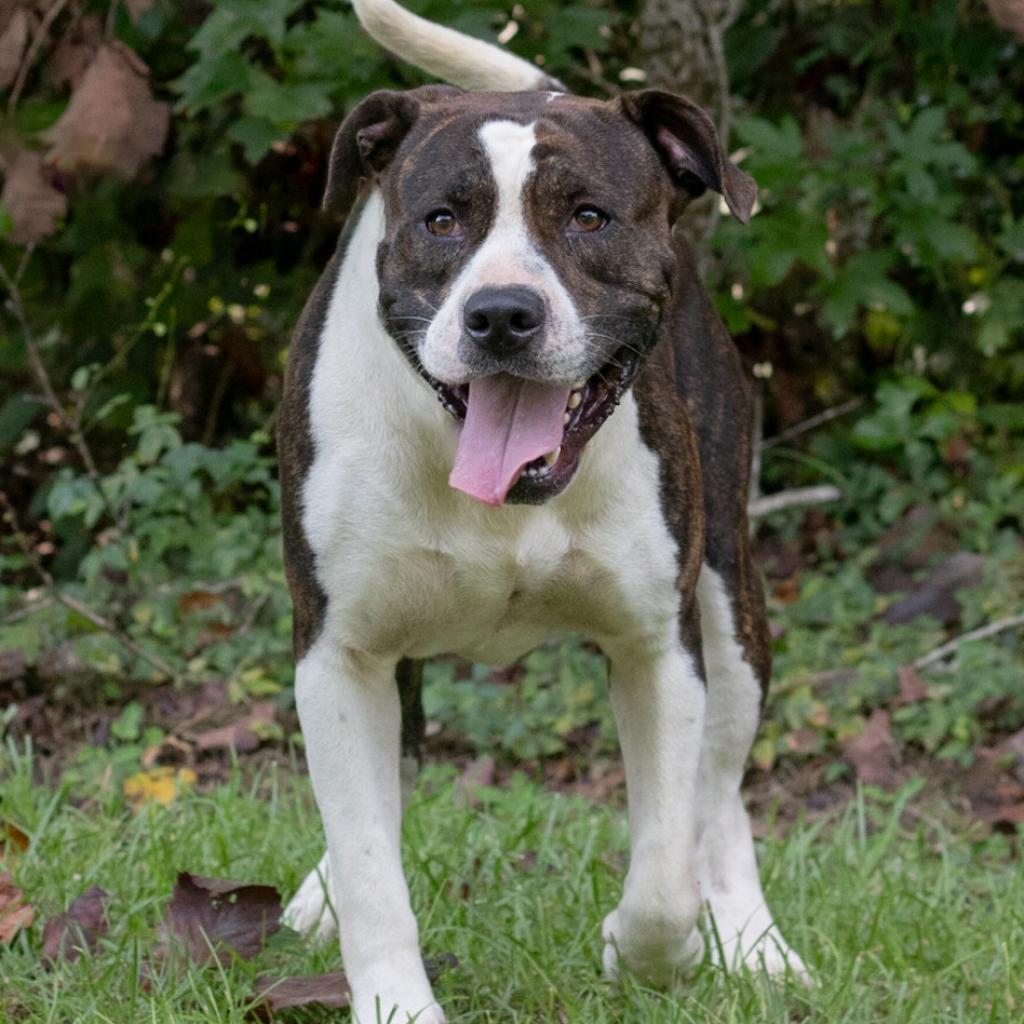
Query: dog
[511,410]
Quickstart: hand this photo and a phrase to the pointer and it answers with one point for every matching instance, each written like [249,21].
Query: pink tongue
[509,422]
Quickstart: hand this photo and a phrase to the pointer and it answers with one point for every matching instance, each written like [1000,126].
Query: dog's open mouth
[521,441]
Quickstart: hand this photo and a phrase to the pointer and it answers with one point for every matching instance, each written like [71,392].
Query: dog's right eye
[443,223]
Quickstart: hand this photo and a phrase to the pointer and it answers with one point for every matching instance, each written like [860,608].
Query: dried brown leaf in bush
[1008,14]
[78,929]
[15,913]
[13,41]
[112,123]
[33,203]
[872,751]
[913,689]
[211,918]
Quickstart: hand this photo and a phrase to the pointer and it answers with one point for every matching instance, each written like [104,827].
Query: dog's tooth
[575,400]
[566,418]
[579,385]
[552,457]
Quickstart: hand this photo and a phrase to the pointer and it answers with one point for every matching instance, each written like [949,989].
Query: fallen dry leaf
[329,991]
[78,929]
[1008,14]
[211,918]
[913,689]
[158,785]
[272,995]
[13,41]
[15,914]
[12,839]
[112,123]
[243,735]
[33,203]
[872,751]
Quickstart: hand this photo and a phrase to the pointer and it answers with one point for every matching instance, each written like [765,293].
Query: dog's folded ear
[369,137]
[687,141]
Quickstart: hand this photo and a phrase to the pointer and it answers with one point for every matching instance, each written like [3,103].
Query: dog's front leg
[349,708]
[658,703]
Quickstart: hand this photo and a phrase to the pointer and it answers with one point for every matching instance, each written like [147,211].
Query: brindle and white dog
[511,410]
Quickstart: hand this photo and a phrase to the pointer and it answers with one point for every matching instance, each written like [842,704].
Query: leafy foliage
[159,277]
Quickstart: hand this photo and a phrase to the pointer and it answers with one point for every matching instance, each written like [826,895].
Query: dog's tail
[449,55]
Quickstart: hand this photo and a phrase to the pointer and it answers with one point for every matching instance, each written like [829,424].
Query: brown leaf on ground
[872,751]
[272,995]
[13,41]
[329,991]
[78,929]
[243,735]
[33,203]
[913,689]
[12,839]
[15,914]
[112,123]
[213,918]
[1009,15]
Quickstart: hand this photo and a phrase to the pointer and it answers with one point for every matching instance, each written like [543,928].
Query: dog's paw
[396,1009]
[309,911]
[659,949]
[768,955]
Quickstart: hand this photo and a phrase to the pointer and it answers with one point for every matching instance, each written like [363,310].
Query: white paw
[658,950]
[309,912]
[397,1008]
[767,954]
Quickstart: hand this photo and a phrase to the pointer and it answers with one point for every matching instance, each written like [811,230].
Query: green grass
[915,926]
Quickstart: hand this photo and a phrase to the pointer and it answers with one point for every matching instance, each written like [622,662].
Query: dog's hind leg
[311,911]
[737,662]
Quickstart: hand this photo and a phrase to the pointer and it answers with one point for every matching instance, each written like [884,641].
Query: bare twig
[72,423]
[79,607]
[819,495]
[815,421]
[29,59]
[28,611]
[999,626]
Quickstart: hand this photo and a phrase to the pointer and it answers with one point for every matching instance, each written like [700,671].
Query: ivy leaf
[233,21]
[209,81]
[863,281]
[284,105]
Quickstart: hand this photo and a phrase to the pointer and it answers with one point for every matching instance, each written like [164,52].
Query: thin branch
[999,626]
[30,56]
[72,426]
[819,495]
[817,420]
[79,607]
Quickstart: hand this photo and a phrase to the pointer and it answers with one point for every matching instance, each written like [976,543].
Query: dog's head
[527,256]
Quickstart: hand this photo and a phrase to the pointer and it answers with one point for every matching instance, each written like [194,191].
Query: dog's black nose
[504,320]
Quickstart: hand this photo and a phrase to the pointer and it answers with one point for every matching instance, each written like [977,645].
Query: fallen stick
[999,626]
[818,495]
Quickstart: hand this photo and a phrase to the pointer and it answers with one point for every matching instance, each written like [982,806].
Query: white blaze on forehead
[507,256]
[509,148]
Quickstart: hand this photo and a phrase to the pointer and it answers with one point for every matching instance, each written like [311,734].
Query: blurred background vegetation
[160,229]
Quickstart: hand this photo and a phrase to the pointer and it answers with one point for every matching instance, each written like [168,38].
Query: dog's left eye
[588,218]
[443,223]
